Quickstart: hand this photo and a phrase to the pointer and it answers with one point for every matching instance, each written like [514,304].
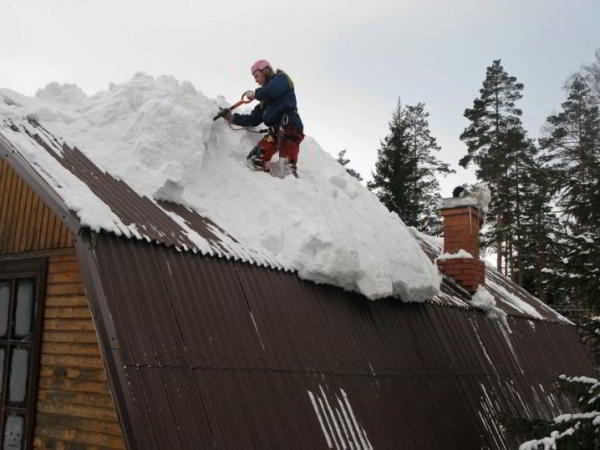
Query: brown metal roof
[221,354]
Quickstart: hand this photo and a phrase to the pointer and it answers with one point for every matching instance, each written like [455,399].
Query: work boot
[293,168]
[289,167]
[284,167]
[254,160]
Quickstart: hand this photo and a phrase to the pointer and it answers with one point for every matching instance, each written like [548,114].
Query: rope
[247,129]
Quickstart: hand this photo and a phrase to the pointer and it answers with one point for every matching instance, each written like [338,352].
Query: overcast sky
[350,61]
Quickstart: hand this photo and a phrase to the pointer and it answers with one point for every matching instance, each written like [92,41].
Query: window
[21,289]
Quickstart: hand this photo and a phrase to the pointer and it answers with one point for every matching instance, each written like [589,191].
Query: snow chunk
[485,301]
[171,191]
[479,197]
[483,196]
[157,135]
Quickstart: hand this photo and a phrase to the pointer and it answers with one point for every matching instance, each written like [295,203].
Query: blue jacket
[277,98]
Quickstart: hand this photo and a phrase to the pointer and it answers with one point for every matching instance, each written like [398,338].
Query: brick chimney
[462,219]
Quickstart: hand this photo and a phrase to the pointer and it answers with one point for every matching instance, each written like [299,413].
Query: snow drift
[157,135]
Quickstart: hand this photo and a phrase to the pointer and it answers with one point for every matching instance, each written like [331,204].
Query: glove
[249,94]
[225,113]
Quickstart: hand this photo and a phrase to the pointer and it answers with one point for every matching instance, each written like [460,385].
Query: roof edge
[48,195]
[106,332]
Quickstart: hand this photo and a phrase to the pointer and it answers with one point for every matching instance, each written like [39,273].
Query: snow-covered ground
[157,135]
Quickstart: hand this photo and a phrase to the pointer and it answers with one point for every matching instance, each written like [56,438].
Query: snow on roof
[156,137]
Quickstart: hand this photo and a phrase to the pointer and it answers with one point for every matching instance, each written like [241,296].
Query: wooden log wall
[26,222]
[75,409]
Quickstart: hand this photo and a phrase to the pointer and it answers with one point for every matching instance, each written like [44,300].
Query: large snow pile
[157,134]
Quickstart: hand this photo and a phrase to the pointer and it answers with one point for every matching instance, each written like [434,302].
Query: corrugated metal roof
[139,217]
[227,355]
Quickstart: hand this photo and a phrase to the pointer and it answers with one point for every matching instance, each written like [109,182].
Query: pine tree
[493,115]
[591,72]
[571,162]
[540,251]
[344,162]
[498,145]
[406,168]
[573,149]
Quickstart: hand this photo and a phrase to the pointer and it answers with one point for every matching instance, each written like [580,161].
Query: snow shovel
[232,107]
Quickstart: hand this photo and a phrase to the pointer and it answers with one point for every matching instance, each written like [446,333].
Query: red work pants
[288,147]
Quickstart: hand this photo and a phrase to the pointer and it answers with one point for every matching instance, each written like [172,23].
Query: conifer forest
[543,225]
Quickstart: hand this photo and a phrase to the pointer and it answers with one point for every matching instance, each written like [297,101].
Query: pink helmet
[260,65]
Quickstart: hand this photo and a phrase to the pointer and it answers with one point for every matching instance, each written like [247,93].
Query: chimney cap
[479,198]
[459,202]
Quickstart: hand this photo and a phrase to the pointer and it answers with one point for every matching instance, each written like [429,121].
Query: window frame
[13,270]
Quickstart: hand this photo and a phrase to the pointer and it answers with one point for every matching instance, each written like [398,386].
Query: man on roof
[278,110]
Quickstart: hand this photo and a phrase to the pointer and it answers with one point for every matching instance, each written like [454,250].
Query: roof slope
[138,217]
[220,354]
[127,212]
